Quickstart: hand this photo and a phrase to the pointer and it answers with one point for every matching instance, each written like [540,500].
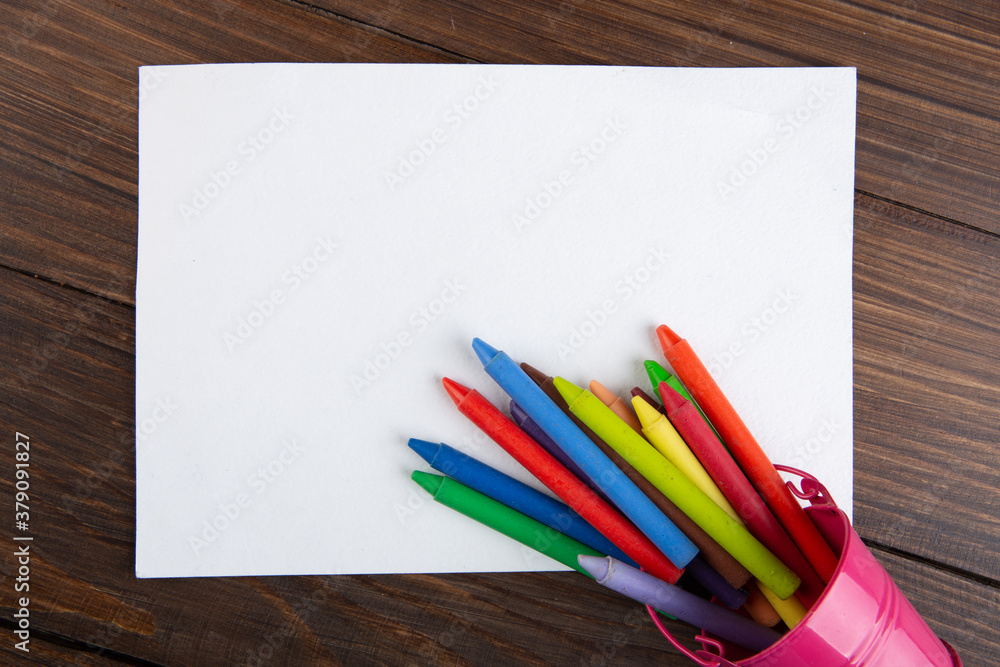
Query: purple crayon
[674,601]
[522,419]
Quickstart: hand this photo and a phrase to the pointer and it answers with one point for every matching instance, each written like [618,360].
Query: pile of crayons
[650,493]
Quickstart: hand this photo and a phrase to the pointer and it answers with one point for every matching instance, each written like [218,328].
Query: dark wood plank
[929,72]
[927,387]
[68,162]
[47,653]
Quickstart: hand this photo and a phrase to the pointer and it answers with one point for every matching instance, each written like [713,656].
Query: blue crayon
[514,494]
[528,425]
[594,463]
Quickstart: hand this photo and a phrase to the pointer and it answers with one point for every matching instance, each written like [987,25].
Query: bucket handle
[813,491]
[702,657]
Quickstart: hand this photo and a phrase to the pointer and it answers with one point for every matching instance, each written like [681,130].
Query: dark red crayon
[737,489]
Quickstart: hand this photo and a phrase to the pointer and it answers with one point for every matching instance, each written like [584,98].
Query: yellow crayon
[791,610]
[664,437]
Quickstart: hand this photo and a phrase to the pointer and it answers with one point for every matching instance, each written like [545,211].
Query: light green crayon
[691,500]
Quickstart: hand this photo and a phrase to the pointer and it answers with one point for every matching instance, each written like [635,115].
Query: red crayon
[560,481]
[747,451]
[685,417]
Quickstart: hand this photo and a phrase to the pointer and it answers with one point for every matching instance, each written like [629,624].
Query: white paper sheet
[319,244]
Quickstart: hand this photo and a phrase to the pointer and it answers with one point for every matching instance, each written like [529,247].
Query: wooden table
[926,297]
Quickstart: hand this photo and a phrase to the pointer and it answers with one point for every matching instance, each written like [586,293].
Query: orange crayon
[616,404]
[747,452]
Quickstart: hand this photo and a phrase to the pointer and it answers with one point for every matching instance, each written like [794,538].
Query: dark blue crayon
[514,494]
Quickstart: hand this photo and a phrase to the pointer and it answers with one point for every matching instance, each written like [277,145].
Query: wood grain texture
[927,386]
[926,332]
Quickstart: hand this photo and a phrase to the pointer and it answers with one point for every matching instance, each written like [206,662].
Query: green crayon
[505,520]
[665,476]
[658,374]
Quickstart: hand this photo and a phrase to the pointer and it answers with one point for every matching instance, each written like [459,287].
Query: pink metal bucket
[862,618]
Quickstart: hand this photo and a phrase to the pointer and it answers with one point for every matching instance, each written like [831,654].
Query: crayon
[664,437]
[636,391]
[759,608]
[672,600]
[658,374]
[747,451]
[616,405]
[625,495]
[791,611]
[514,494]
[560,481]
[665,476]
[735,486]
[504,520]
[522,419]
[720,559]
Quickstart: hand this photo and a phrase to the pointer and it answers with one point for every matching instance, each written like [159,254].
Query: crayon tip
[646,413]
[484,351]
[426,450]
[517,413]
[536,375]
[600,391]
[667,337]
[671,399]
[456,391]
[569,391]
[595,566]
[636,391]
[430,483]
[655,371]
